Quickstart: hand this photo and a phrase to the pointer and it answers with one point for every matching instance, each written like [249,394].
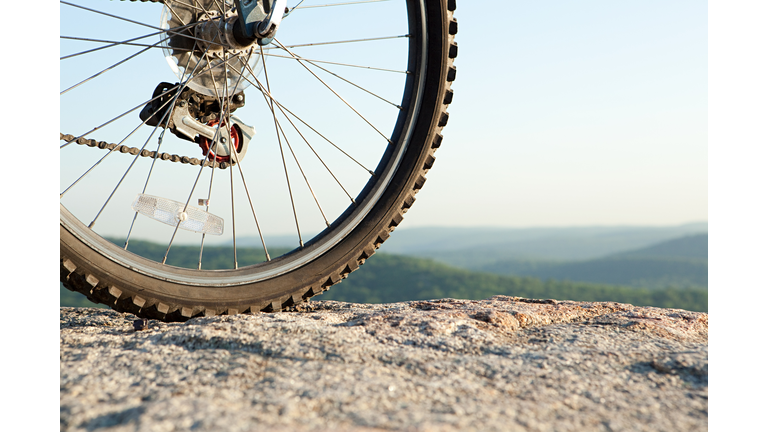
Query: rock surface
[501,364]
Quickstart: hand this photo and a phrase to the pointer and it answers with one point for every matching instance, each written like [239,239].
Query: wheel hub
[208,49]
[216,35]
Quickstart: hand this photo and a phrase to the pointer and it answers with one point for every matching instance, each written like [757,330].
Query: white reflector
[172,212]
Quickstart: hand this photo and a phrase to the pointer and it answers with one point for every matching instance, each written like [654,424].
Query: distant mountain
[693,246]
[652,273]
[680,262]
[484,244]
[470,247]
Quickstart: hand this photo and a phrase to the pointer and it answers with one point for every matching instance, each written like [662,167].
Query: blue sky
[565,114]
[574,113]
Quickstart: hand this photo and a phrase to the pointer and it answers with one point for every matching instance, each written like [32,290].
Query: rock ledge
[501,364]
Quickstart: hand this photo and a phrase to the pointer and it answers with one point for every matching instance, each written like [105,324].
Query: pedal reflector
[172,212]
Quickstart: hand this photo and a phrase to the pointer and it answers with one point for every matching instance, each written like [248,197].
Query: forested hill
[640,272]
[468,246]
[694,246]
[391,278]
[677,263]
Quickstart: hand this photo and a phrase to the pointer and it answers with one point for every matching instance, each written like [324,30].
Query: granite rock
[501,364]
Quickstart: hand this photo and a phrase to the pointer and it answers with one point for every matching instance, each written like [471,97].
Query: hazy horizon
[288,237]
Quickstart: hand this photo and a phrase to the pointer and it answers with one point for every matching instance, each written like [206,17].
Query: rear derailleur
[195,117]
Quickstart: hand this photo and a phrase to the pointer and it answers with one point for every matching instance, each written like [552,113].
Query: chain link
[144,153]
[135,151]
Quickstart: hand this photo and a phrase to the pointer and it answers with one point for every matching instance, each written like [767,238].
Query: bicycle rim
[292,132]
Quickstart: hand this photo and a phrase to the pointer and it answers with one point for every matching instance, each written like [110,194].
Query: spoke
[207,14]
[295,158]
[337,4]
[207,205]
[159,144]
[213,78]
[134,22]
[283,109]
[302,1]
[116,43]
[107,69]
[240,169]
[220,97]
[351,83]
[250,202]
[146,183]
[334,92]
[197,179]
[339,64]
[344,41]
[318,157]
[200,8]
[162,120]
[118,117]
[221,37]
[220,5]
[239,77]
[232,195]
[138,155]
[155,45]
[313,151]
[61,195]
[131,110]
[185,4]
[117,146]
[112,43]
[173,11]
[282,154]
[210,187]
[225,115]
[189,198]
[110,15]
[302,173]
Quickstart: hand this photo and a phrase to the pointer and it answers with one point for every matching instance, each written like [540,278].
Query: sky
[574,113]
[263,163]
[564,114]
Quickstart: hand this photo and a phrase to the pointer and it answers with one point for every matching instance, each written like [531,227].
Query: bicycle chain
[135,151]
[144,153]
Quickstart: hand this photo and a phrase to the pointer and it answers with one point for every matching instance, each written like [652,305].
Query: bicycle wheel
[338,118]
